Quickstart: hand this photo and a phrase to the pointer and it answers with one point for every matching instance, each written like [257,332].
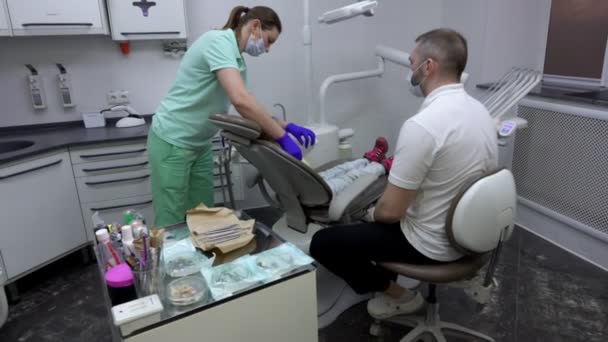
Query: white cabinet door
[158,19]
[5,26]
[50,17]
[40,213]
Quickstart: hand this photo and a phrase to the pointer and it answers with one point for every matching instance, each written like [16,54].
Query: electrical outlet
[118,97]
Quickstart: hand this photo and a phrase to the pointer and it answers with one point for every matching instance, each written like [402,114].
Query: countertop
[576,95]
[50,137]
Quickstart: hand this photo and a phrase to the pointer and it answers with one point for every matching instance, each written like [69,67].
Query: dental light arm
[403,59]
[344,78]
[365,7]
[384,53]
[393,55]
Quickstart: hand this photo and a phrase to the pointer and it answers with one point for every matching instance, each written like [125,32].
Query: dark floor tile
[495,319]
[514,239]
[55,270]
[527,334]
[542,253]
[569,306]
[560,295]
[66,306]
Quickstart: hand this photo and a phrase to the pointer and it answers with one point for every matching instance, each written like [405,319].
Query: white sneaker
[383,307]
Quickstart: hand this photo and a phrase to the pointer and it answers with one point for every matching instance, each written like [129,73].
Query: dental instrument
[503,96]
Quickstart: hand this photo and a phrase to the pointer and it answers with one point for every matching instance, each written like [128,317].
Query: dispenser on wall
[34,82]
[65,87]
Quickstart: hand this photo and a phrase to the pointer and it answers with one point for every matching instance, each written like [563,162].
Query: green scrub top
[182,117]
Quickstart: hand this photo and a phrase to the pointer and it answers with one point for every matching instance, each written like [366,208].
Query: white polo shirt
[451,140]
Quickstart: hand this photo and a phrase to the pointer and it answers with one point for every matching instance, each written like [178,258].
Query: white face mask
[414,85]
[255,47]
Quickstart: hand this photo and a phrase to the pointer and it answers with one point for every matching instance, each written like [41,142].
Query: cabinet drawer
[113,186]
[110,167]
[112,211]
[98,153]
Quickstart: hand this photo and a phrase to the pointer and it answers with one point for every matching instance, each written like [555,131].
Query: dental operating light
[365,7]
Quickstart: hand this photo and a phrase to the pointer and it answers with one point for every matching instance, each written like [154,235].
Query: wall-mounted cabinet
[137,20]
[5,24]
[57,17]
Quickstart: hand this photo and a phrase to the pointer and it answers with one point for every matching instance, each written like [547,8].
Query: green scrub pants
[181,179]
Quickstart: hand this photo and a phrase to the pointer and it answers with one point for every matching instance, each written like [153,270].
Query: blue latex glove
[290,146]
[305,136]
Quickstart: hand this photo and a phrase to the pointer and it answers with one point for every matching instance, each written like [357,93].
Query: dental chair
[300,191]
[307,200]
[480,219]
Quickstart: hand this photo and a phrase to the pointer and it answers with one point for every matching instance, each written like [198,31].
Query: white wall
[376,106]
[500,33]
[470,17]
[516,35]
[96,67]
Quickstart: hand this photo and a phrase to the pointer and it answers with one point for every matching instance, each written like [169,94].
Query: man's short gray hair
[447,47]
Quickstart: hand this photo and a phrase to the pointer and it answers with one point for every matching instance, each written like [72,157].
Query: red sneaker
[388,164]
[378,153]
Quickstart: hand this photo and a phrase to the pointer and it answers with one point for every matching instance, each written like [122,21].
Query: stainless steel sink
[15,145]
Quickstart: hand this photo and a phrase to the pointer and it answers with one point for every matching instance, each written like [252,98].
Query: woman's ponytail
[235,17]
[241,15]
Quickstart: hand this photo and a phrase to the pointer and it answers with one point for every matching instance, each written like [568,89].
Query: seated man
[451,140]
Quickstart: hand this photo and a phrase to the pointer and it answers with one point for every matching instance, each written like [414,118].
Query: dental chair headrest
[237,125]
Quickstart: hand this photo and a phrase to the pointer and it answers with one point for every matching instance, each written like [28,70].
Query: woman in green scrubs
[211,75]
